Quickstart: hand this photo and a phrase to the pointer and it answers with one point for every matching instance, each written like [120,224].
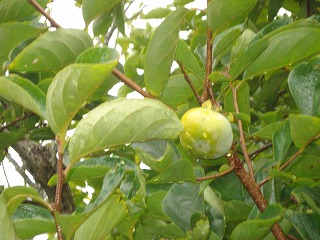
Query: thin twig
[18,119]
[44,13]
[19,170]
[5,174]
[258,151]
[186,77]
[242,138]
[287,163]
[123,78]
[215,175]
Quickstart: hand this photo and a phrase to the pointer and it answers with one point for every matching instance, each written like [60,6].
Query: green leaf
[93,8]
[237,211]
[222,14]
[281,140]
[188,60]
[305,166]
[308,195]
[102,23]
[157,13]
[241,44]
[161,50]
[303,128]
[286,46]
[224,41]
[307,225]
[154,209]
[75,84]
[304,84]
[18,10]
[177,90]
[9,138]
[267,131]
[123,121]
[52,51]
[103,220]
[273,9]
[31,220]
[12,33]
[23,92]
[119,17]
[181,202]
[6,226]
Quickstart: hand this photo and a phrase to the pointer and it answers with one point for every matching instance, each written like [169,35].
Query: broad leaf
[6,226]
[304,84]
[177,90]
[308,195]
[75,84]
[281,142]
[52,50]
[104,126]
[93,8]
[303,128]
[157,13]
[267,131]
[9,138]
[182,202]
[282,49]
[12,33]
[18,10]
[23,92]
[161,51]
[103,220]
[226,13]
[305,166]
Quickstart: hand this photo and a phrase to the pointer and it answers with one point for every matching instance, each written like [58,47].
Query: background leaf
[226,13]
[52,50]
[23,92]
[281,142]
[6,226]
[161,51]
[142,120]
[75,84]
[304,84]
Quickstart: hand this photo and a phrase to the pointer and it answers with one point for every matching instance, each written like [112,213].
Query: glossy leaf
[6,226]
[17,10]
[307,225]
[241,44]
[12,33]
[93,8]
[157,13]
[103,220]
[23,92]
[304,84]
[75,84]
[177,90]
[224,41]
[142,119]
[237,211]
[268,130]
[182,196]
[222,14]
[161,51]
[52,51]
[188,60]
[282,49]
[281,142]
[303,128]
[102,23]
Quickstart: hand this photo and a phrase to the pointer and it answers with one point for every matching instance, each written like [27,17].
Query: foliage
[265,75]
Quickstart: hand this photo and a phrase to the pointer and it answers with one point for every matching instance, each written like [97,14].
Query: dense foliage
[259,69]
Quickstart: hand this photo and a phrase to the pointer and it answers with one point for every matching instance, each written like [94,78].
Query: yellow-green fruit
[207,133]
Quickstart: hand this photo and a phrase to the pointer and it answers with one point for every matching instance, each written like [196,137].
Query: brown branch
[44,13]
[242,138]
[258,151]
[186,77]
[123,78]
[215,175]
[18,119]
[287,163]
[254,191]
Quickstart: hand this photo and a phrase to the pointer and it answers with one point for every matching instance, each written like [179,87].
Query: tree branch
[186,77]
[43,12]
[254,190]
[123,78]
[18,119]
[242,138]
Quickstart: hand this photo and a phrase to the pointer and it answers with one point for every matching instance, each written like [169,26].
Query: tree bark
[40,161]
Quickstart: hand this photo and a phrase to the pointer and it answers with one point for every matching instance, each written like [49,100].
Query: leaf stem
[43,12]
[254,190]
[215,175]
[194,90]
[256,152]
[123,78]
[242,138]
